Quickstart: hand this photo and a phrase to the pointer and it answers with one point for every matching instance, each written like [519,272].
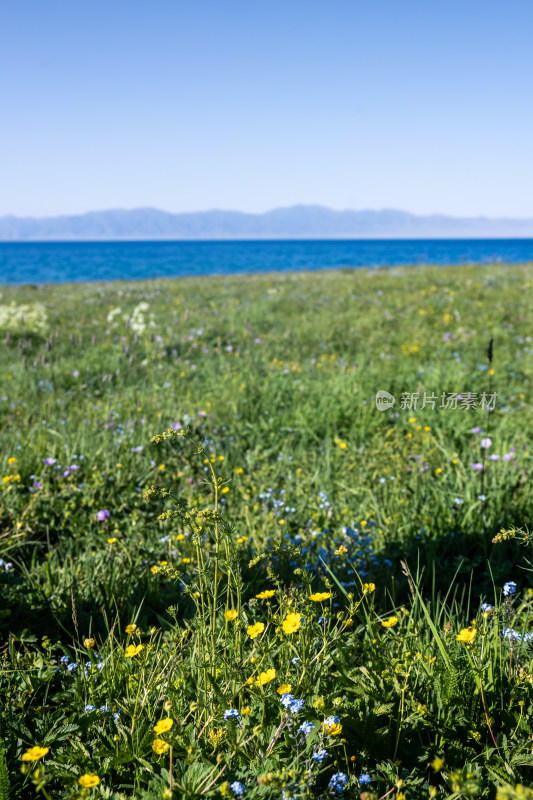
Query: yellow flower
[239,470]
[291,623]
[331,728]
[230,614]
[467,635]
[35,753]
[88,780]
[11,460]
[225,490]
[342,445]
[161,467]
[246,711]
[266,677]
[159,746]
[368,588]
[437,763]
[266,594]
[319,597]
[284,688]
[390,622]
[163,726]
[341,551]
[131,628]
[88,643]
[154,570]
[112,540]
[255,630]
[133,650]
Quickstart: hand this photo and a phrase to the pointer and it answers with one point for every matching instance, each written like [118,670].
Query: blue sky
[189,105]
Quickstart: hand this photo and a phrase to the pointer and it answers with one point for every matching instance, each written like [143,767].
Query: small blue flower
[296,660]
[306,728]
[319,756]
[364,778]
[72,667]
[116,716]
[89,707]
[237,787]
[100,665]
[322,620]
[329,721]
[487,607]
[105,708]
[286,699]
[510,633]
[64,659]
[296,706]
[338,781]
[231,713]
[509,589]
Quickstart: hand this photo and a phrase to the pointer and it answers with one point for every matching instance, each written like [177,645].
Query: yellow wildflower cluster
[291,623]
[254,630]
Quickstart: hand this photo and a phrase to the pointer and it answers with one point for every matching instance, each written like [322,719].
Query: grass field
[224,571]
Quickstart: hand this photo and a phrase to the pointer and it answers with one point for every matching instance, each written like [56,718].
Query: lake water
[66,262]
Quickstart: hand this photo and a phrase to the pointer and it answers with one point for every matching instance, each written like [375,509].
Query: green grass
[287,479]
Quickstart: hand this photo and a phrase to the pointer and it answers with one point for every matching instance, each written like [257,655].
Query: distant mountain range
[295,222]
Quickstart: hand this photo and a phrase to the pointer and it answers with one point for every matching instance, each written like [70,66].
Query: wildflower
[88,643]
[332,725]
[286,699]
[34,753]
[338,781]
[133,650]
[237,788]
[246,711]
[163,726]
[509,589]
[291,623]
[72,667]
[368,588]
[159,746]
[296,660]
[487,608]
[296,706]
[88,780]
[49,461]
[477,466]
[88,708]
[266,594]
[364,778]
[112,540]
[105,708]
[231,713]
[390,622]
[477,429]
[285,688]
[341,551]
[266,677]
[319,756]
[64,660]
[467,635]
[306,728]
[230,614]
[131,628]
[437,763]
[101,516]
[319,597]
[322,620]
[510,633]
[486,443]
[255,630]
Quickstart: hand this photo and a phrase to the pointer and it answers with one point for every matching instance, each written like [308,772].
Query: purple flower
[37,485]
[476,430]
[75,373]
[486,442]
[103,515]
[137,449]
[49,461]
[176,426]
[476,465]
[507,456]
[494,457]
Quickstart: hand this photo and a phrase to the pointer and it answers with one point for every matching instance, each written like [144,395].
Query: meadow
[225,572]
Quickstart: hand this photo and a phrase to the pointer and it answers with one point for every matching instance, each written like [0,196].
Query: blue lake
[66,262]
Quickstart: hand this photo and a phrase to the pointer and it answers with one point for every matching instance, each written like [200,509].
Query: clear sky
[188,105]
